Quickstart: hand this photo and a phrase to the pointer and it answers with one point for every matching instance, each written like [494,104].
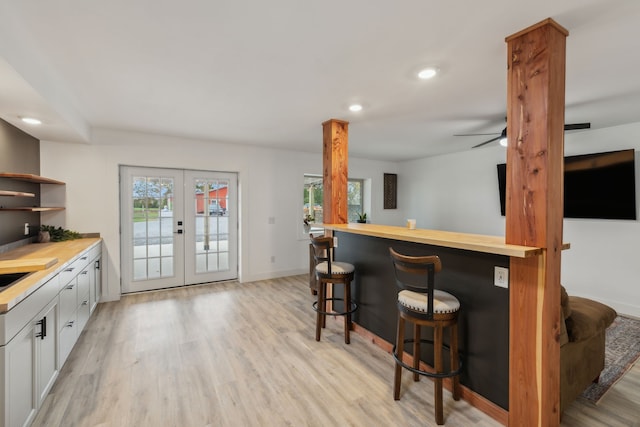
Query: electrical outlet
[335,242]
[501,277]
[26,228]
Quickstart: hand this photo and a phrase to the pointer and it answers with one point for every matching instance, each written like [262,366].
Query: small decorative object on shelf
[44,237]
[59,234]
[362,218]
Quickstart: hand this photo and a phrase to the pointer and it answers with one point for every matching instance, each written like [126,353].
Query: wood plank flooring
[230,354]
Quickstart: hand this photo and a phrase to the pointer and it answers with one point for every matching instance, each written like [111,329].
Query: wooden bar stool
[422,305]
[328,271]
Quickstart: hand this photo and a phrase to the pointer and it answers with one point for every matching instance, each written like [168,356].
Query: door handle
[177,232]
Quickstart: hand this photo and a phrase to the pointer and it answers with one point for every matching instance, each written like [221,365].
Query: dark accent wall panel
[484,313]
[19,153]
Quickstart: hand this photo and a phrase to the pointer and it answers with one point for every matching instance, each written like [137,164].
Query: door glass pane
[152,227]
[211,223]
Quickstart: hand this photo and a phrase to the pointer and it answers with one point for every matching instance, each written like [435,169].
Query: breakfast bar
[468,266]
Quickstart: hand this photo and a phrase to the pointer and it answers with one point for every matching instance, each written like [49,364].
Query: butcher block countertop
[471,242]
[55,256]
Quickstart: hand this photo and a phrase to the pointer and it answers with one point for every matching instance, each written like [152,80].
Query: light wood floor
[232,354]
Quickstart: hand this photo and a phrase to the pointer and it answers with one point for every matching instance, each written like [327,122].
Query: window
[313,196]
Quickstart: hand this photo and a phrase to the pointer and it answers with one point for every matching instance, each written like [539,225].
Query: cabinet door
[46,351]
[95,288]
[20,403]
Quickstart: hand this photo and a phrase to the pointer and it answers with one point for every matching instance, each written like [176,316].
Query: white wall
[271,184]
[459,192]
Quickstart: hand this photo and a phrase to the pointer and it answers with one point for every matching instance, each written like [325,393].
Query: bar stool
[422,305]
[328,271]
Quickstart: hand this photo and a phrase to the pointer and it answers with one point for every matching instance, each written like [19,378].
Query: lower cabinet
[31,359]
[30,367]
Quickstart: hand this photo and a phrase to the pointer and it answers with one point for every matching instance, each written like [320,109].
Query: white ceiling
[269,73]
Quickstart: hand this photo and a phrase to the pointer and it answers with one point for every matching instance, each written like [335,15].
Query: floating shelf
[33,209]
[16,193]
[30,178]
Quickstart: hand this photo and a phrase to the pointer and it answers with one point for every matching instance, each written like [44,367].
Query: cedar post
[335,170]
[534,212]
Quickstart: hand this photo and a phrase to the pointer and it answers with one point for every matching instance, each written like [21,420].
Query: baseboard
[272,275]
[623,308]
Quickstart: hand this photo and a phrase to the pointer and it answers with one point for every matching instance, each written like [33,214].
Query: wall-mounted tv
[599,185]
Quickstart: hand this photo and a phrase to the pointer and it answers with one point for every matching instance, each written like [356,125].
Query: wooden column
[335,170]
[534,212]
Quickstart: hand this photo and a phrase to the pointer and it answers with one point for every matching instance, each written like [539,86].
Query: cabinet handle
[83,258]
[43,328]
[85,302]
[70,287]
[70,324]
[85,272]
[97,265]
[70,269]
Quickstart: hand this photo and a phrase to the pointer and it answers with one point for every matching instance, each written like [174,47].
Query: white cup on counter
[411,224]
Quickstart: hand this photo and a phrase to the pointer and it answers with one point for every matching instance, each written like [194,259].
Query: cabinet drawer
[68,302]
[84,280]
[68,274]
[67,338]
[84,311]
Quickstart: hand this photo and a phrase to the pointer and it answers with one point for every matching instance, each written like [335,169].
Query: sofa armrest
[588,318]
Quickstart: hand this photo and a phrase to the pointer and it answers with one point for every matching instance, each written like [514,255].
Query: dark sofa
[582,344]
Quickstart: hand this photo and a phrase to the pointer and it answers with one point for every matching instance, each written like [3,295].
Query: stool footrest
[354,307]
[427,373]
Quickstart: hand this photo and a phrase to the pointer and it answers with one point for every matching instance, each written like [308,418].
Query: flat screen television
[599,185]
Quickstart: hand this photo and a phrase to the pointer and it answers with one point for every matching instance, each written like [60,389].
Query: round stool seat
[336,268]
[443,302]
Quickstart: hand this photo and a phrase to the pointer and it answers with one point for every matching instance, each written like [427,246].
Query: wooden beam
[534,212]
[335,170]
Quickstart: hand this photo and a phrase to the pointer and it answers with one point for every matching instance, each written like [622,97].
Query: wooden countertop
[471,242]
[63,251]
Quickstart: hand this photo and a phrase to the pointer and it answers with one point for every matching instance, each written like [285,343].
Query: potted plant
[362,218]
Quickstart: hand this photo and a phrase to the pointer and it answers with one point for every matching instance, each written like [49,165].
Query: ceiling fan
[503,135]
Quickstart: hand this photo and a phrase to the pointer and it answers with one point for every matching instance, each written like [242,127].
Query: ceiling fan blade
[576,126]
[476,134]
[487,142]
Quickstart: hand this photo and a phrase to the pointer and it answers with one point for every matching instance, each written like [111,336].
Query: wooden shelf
[16,193]
[30,178]
[33,209]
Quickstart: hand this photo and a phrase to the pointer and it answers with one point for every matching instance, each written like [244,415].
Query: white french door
[177,227]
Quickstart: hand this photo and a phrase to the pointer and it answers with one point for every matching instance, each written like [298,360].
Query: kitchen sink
[7,280]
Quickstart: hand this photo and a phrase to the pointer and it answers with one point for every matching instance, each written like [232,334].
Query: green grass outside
[142,214]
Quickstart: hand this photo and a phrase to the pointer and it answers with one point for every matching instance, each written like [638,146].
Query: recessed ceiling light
[31,120]
[503,142]
[355,107]
[427,73]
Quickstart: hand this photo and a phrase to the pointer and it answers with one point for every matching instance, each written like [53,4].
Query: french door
[177,227]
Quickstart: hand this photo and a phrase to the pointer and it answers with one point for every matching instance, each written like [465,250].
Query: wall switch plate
[501,277]
[335,242]
[26,228]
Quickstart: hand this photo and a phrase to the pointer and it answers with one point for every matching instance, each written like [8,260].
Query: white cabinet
[75,300]
[38,334]
[19,358]
[30,367]
[46,325]
[95,285]
[67,326]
